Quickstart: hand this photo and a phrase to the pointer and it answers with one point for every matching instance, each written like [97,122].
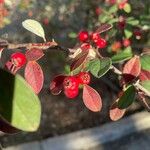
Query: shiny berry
[18,59]
[126,42]
[70,83]
[71,93]
[84,78]
[95,37]
[101,43]
[83,36]
[116,46]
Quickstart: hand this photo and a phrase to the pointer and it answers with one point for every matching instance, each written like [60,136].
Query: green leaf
[145,62]
[72,35]
[122,55]
[99,67]
[146,84]
[128,33]
[113,9]
[133,22]
[127,98]
[127,8]
[34,27]
[19,105]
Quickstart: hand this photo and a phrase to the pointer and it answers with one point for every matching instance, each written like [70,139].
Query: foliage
[117,33]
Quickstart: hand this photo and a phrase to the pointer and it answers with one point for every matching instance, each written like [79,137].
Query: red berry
[84,78]
[70,83]
[71,93]
[83,36]
[95,37]
[85,46]
[126,42]
[101,43]
[18,59]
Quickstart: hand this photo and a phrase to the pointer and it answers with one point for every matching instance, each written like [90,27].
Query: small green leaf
[127,98]
[19,106]
[133,22]
[145,62]
[72,35]
[34,27]
[99,67]
[122,55]
[146,84]
[113,9]
[127,8]
[128,33]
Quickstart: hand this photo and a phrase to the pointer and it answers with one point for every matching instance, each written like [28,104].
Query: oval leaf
[145,62]
[19,105]
[34,54]
[103,28]
[127,8]
[115,113]
[79,61]
[127,97]
[34,27]
[99,67]
[122,55]
[56,85]
[91,99]
[133,67]
[34,76]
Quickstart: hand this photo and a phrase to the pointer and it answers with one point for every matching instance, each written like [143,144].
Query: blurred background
[62,20]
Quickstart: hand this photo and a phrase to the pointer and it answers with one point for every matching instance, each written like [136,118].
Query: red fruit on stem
[116,46]
[83,36]
[85,46]
[71,93]
[18,59]
[126,42]
[95,37]
[84,78]
[71,83]
[101,43]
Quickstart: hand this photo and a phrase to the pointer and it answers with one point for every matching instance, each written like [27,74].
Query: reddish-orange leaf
[91,99]
[144,75]
[115,113]
[34,54]
[34,76]
[133,67]
[56,85]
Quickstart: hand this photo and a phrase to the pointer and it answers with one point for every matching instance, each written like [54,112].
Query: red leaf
[91,99]
[34,76]
[56,85]
[79,61]
[34,54]
[144,75]
[115,113]
[133,67]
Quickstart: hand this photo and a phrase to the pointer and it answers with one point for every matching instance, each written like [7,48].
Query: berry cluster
[71,83]
[86,38]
